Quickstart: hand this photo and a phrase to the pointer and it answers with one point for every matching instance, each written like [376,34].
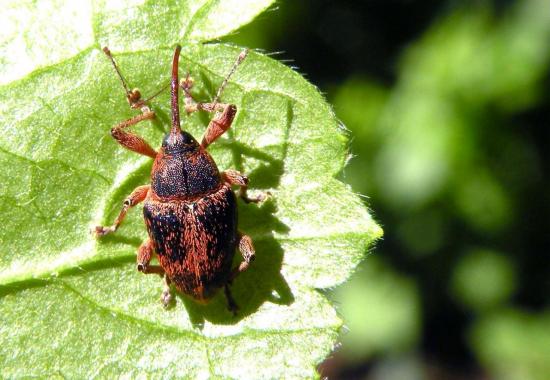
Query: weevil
[190,209]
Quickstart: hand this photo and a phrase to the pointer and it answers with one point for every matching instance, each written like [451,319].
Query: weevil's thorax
[183,169]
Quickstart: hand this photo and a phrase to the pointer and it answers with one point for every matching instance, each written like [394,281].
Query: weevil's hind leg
[137,196]
[166,296]
[231,304]
[131,141]
[233,177]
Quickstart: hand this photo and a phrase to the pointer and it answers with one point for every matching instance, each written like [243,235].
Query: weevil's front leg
[219,124]
[127,139]
[137,196]
[233,177]
[191,105]
[247,251]
[131,141]
[225,113]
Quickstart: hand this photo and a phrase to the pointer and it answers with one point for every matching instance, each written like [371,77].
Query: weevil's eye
[179,143]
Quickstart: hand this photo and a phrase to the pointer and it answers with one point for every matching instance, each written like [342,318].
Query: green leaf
[73,306]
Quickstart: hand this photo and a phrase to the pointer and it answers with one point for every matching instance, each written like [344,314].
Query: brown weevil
[190,210]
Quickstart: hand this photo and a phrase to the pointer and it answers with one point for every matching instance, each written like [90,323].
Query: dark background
[447,103]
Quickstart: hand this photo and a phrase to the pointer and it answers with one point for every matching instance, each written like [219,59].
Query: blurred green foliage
[514,344]
[483,280]
[381,309]
[448,155]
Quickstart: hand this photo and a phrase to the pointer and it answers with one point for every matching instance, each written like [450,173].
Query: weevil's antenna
[239,60]
[157,93]
[174,85]
[124,84]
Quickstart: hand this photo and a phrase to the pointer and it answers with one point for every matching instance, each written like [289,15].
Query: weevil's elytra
[190,210]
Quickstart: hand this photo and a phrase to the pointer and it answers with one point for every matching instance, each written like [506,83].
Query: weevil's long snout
[176,140]
[176,129]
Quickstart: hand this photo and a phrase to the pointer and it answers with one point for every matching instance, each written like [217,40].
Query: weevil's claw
[102,231]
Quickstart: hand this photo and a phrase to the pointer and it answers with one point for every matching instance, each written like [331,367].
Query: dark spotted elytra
[190,210]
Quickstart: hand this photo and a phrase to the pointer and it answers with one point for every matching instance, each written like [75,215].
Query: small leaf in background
[76,307]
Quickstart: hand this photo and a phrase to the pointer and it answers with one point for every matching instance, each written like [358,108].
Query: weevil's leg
[219,124]
[145,253]
[233,177]
[166,296]
[126,139]
[225,113]
[131,141]
[247,251]
[190,103]
[231,304]
[153,269]
[137,196]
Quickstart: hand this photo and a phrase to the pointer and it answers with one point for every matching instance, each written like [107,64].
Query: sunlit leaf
[75,307]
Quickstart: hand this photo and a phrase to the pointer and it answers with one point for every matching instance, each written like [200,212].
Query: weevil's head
[180,142]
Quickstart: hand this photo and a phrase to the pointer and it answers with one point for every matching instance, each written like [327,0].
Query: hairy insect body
[190,210]
[191,218]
